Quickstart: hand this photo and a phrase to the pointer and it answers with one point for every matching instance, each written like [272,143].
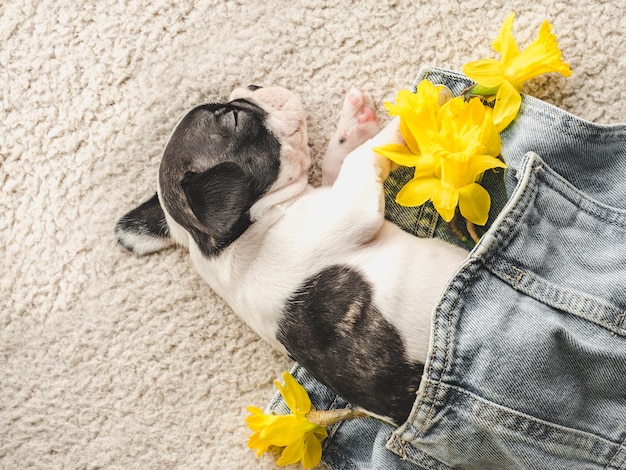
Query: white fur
[143,245]
[300,230]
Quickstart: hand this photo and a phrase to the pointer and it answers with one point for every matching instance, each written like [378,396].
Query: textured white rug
[108,360]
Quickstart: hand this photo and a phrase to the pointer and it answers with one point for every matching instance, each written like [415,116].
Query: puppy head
[220,161]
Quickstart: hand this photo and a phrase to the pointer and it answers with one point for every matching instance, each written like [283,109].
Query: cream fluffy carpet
[109,360]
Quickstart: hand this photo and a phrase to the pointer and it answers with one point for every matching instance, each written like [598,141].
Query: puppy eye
[235,117]
[229,118]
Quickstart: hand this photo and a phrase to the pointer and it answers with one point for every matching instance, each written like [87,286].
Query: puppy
[317,272]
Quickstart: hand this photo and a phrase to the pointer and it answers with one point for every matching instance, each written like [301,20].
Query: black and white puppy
[317,272]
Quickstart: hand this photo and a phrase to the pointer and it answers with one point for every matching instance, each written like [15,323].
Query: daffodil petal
[426,167]
[394,109]
[292,453]
[406,102]
[287,396]
[303,402]
[474,203]
[505,43]
[264,422]
[428,92]
[478,164]
[454,172]
[506,108]
[445,201]
[487,72]
[424,118]
[475,111]
[408,136]
[417,191]
[407,99]
[257,420]
[490,135]
[257,444]
[294,394]
[321,433]
[254,410]
[283,431]
[398,153]
[312,451]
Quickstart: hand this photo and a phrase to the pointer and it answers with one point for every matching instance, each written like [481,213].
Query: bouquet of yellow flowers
[451,142]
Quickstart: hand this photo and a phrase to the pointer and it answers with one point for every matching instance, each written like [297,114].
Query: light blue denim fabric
[527,361]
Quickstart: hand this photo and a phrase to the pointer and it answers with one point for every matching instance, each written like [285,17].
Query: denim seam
[435,394]
[333,429]
[582,305]
[596,209]
[433,224]
[505,231]
[531,285]
[501,237]
[415,456]
[425,222]
[419,218]
[556,434]
[617,132]
[621,449]
[555,429]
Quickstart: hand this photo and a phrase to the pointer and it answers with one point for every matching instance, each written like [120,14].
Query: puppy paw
[357,122]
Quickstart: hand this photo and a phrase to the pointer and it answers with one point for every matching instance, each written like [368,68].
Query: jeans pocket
[527,365]
[471,433]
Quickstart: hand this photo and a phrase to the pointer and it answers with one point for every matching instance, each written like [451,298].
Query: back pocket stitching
[582,305]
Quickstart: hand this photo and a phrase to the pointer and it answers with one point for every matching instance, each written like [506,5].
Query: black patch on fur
[196,188]
[342,140]
[220,198]
[147,220]
[332,327]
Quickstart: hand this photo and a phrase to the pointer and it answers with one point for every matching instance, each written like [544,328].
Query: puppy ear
[144,229]
[220,198]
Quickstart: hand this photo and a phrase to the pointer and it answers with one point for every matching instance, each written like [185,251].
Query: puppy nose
[253,87]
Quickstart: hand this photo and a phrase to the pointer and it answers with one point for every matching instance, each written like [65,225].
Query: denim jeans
[527,359]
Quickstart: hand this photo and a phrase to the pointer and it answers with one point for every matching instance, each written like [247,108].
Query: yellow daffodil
[300,437]
[450,145]
[418,113]
[300,433]
[505,77]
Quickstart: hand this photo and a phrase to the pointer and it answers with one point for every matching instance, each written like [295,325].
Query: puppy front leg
[358,195]
[357,123]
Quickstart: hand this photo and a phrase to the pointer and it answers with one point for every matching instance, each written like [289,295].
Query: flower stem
[471,229]
[329,417]
[454,226]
